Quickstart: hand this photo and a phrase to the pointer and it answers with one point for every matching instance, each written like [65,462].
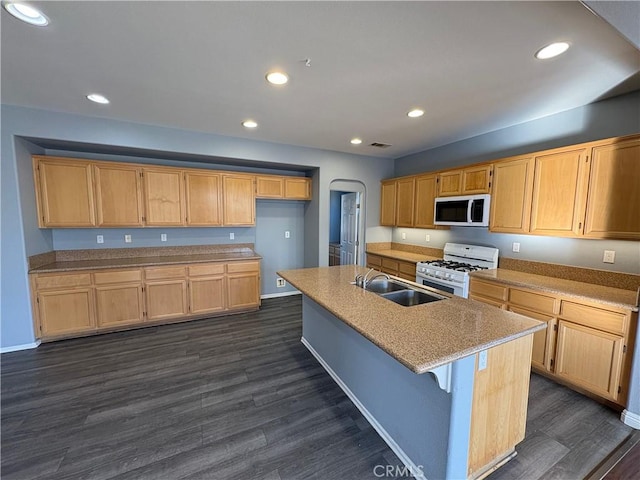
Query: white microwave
[468,210]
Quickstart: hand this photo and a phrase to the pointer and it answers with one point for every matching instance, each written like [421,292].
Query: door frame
[348,185]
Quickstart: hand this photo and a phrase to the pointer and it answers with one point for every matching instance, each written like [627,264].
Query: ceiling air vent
[380,145]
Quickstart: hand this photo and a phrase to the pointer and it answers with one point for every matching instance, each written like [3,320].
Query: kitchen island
[465,417]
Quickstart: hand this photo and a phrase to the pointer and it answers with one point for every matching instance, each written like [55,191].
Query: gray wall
[609,118]
[22,238]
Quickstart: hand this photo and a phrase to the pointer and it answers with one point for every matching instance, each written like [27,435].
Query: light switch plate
[404,236]
[516,247]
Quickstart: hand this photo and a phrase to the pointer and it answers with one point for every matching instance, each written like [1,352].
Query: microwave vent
[380,145]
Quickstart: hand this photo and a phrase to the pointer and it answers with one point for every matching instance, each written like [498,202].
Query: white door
[349,217]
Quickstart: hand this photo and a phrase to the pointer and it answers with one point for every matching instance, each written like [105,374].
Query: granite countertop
[68,266]
[421,337]
[402,255]
[569,288]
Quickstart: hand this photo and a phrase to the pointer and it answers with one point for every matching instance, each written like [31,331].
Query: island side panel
[411,408]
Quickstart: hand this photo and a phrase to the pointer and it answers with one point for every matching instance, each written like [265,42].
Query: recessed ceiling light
[415,113]
[249,124]
[277,78]
[552,50]
[356,141]
[96,97]
[27,14]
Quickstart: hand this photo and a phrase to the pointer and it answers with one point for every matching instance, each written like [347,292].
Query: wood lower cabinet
[391,266]
[64,192]
[243,280]
[585,344]
[72,304]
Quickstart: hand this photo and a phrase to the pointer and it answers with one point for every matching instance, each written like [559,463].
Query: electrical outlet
[163,237]
[482,360]
[280,282]
[427,238]
[99,238]
[404,236]
[609,256]
[232,236]
[287,234]
[127,239]
[515,247]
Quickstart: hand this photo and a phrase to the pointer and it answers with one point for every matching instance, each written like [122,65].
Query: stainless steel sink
[384,286]
[408,298]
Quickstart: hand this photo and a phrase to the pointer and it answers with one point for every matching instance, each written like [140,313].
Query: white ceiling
[201,66]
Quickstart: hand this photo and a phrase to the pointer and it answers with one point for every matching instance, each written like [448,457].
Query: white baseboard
[631,419]
[283,294]
[16,348]
[413,468]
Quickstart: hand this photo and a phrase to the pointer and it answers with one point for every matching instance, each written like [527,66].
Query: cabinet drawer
[206,269]
[599,318]
[164,272]
[488,301]
[408,269]
[71,280]
[117,276]
[374,260]
[491,290]
[388,264]
[534,301]
[237,267]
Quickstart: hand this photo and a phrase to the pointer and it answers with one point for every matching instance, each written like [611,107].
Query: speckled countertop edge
[77,265]
[421,337]
[402,255]
[569,288]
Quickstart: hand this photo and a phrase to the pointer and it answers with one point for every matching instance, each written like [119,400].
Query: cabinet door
[166,299]
[206,294]
[118,195]
[297,188]
[405,202]
[559,193]
[239,200]
[269,186]
[613,207]
[388,203]
[425,201]
[476,180]
[65,193]
[164,197]
[450,183]
[589,358]
[203,199]
[543,340]
[66,311]
[511,196]
[243,290]
[119,305]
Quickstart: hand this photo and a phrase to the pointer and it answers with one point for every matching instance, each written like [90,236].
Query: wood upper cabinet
[405,191]
[119,298]
[164,196]
[203,192]
[283,187]
[388,203]
[239,205]
[465,181]
[560,193]
[424,207]
[297,188]
[118,195]
[613,205]
[511,196]
[64,192]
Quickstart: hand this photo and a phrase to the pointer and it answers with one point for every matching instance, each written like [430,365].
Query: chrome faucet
[363,281]
[366,282]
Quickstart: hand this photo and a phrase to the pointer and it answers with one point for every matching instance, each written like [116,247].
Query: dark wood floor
[233,397]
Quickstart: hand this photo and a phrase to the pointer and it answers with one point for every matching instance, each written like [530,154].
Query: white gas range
[451,274]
